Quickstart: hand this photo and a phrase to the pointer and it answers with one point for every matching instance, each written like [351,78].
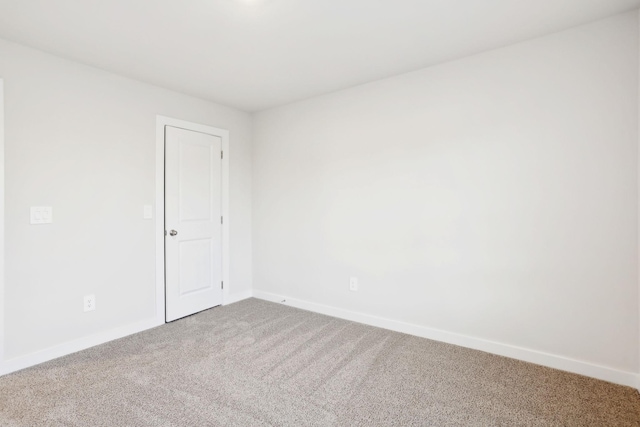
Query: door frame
[223,134]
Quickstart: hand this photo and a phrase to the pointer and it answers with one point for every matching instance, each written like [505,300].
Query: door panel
[193,210]
[195,266]
[195,182]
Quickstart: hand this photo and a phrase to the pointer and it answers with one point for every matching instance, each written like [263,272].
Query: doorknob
[173,233]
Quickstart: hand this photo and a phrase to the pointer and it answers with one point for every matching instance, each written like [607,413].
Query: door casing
[161,122]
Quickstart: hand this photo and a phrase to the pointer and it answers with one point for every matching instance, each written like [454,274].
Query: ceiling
[256,54]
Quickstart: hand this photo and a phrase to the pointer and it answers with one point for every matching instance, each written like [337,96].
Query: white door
[193,216]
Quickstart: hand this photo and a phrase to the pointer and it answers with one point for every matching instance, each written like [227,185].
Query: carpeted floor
[256,363]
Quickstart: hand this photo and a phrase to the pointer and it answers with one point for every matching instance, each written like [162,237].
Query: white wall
[1,220]
[493,197]
[83,141]
[638,199]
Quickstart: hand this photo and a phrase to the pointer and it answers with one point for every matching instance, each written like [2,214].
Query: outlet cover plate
[89,302]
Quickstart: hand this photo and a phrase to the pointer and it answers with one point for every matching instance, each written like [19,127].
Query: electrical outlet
[89,302]
[353,284]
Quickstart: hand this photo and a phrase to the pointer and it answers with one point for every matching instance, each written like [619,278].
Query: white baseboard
[22,362]
[630,379]
[239,296]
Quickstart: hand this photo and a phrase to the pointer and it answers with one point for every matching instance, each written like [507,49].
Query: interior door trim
[223,134]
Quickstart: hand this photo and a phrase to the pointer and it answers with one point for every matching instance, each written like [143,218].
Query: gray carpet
[256,363]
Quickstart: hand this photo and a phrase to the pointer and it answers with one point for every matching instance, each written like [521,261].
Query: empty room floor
[256,363]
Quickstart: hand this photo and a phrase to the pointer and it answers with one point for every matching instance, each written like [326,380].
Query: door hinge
[222,154]
[222,287]
[221,220]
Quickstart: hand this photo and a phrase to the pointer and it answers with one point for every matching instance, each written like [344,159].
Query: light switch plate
[148,212]
[41,214]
